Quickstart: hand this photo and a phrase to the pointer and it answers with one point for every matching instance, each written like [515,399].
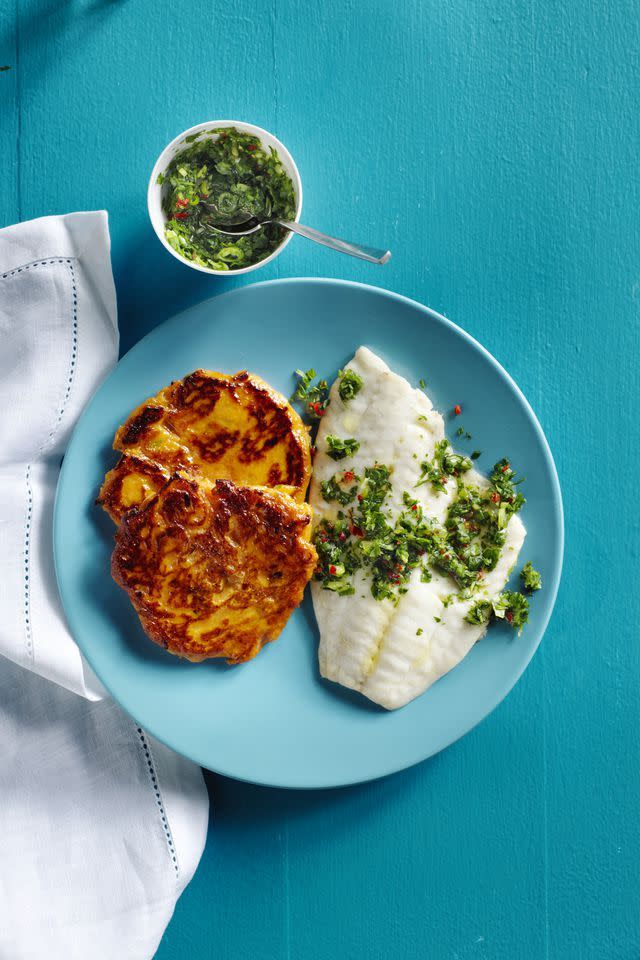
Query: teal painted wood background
[493,145]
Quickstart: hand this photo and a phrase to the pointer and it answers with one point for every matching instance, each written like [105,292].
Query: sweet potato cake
[132,482]
[214,569]
[213,425]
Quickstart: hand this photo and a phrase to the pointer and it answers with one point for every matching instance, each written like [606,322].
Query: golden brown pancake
[215,570]
[221,427]
[132,482]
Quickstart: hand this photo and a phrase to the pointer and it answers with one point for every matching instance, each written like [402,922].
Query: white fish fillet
[372,645]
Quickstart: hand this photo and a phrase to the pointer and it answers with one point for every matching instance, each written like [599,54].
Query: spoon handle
[372,254]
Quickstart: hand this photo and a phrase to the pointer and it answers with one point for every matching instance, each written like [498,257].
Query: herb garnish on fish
[531,579]
[444,464]
[465,548]
[350,384]
[339,449]
[315,396]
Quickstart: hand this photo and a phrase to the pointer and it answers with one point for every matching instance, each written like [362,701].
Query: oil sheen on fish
[393,651]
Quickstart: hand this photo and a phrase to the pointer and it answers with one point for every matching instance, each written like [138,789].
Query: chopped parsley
[444,464]
[465,547]
[350,384]
[475,533]
[419,632]
[513,607]
[476,454]
[363,537]
[531,579]
[461,432]
[504,482]
[479,613]
[510,606]
[315,396]
[339,449]
[333,490]
[221,175]
[421,383]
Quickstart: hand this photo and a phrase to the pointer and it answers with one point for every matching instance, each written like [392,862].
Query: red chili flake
[182,203]
[360,497]
[505,467]
[356,531]
[443,479]
[332,569]
[181,216]
[457,409]
[495,497]
[314,450]
[348,476]
[342,536]
[251,146]
[509,616]
[414,506]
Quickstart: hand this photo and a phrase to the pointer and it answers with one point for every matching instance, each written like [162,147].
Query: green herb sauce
[531,579]
[467,546]
[350,384]
[339,449]
[314,396]
[231,171]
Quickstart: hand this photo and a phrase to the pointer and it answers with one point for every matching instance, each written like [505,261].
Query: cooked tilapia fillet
[372,645]
[214,569]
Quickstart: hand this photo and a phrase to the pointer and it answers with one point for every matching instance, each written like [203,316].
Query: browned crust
[112,497]
[214,571]
[235,427]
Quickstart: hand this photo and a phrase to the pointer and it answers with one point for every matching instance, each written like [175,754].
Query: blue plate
[274,721]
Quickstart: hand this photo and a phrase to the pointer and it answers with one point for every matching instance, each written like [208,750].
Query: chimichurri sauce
[231,171]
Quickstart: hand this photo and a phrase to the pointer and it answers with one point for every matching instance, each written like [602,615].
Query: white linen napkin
[102,826]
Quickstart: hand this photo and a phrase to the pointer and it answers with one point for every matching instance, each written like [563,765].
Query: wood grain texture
[492,145]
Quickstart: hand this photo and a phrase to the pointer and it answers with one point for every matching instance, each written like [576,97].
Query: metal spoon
[242,224]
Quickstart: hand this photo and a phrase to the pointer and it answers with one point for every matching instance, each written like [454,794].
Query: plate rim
[556,496]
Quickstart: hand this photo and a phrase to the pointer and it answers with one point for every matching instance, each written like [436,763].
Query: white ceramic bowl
[154,191]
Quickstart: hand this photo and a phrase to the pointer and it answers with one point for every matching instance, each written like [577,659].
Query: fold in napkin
[102,827]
